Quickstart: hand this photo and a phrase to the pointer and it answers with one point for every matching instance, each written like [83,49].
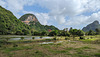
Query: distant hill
[27,18]
[32,21]
[92,26]
[9,24]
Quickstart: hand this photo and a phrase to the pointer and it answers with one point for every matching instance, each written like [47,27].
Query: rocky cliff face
[33,22]
[92,26]
[27,18]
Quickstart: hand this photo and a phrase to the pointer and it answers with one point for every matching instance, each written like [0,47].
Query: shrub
[37,52]
[66,38]
[7,39]
[81,38]
[0,46]
[22,38]
[54,38]
[33,37]
[97,55]
[41,37]
[18,32]
[15,45]
[3,41]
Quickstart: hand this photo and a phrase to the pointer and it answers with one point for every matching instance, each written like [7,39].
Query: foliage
[9,24]
[53,33]
[33,37]
[76,32]
[26,31]
[66,38]
[97,54]
[91,32]
[54,38]
[15,45]
[37,33]
[19,32]
[81,38]
[80,33]
[36,24]
[22,38]
[41,37]
[97,31]
[63,33]
[44,33]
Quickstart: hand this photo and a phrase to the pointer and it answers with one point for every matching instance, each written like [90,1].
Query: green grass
[40,54]
[32,48]
[58,51]
[97,54]
[7,50]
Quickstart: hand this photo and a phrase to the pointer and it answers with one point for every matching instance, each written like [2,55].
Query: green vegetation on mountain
[22,18]
[9,24]
[93,26]
[35,24]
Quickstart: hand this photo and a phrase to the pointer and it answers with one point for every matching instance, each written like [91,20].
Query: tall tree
[91,32]
[97,31]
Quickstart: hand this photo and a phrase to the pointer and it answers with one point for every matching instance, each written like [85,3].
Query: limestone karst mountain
[27,18]
[92,26]
[32,21]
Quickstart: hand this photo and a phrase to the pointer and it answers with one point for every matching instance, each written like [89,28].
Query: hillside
[27,18]
[9,24]
[92,26]
[34,24]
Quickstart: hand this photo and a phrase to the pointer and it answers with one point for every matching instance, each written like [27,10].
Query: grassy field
[88,47]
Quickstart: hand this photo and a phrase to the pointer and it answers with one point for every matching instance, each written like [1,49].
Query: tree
[75,32]
[37,33]
[26,32]
[91,32]
[18,32]
[80,33]
[22,38]
[44,33]
[53,33]
[63,33]
[33,37]
[70,29]
[97,31]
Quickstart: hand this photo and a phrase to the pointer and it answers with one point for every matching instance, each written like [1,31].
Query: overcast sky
[60,13]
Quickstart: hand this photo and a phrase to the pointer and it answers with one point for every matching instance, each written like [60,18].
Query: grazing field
[59,47]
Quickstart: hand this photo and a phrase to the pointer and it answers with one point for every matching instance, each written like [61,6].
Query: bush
[0,46]
[41,37]
[18,32]
[54,38]
[66,38]
[33,37]
[7,39]
[81,38]
[3,42]
[22,38]
[97,55]
[15,45]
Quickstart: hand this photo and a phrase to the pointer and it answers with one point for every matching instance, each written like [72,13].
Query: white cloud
[2,3]
[16,5]
[83,20]
[43,18]
[59,9]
